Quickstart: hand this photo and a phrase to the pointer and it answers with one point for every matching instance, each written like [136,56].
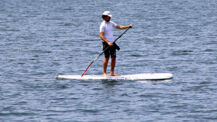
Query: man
[106,34]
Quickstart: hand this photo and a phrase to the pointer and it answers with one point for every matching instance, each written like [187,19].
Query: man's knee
[113,59]
[106,59]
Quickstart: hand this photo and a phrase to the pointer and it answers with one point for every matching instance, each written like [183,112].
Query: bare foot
[105,75]
[114,74]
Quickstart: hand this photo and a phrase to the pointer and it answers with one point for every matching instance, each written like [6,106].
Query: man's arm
[124,26]
[104,39]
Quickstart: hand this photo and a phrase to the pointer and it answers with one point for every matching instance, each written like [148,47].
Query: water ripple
[41,39]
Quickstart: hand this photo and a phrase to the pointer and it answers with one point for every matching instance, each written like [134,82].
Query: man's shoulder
[110,22]
[113,23]
[102,23]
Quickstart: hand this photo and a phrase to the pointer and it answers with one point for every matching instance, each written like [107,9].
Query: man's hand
[130,26]
[110,43]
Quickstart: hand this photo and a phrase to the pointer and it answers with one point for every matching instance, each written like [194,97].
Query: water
[43,38]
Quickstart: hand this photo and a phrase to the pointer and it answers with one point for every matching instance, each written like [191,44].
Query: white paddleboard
[144,76]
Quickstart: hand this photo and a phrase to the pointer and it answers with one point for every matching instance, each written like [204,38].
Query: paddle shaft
[103,52]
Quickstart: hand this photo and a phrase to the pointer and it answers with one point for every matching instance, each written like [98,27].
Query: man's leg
[113,62]
[105,64]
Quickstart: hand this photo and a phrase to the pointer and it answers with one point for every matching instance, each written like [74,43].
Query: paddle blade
[87,69]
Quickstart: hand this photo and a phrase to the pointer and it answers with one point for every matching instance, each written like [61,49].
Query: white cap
[107,13]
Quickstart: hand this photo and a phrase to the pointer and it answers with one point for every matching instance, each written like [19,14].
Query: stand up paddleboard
[144,76]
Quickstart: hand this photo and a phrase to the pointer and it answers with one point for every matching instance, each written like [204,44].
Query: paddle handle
[121,35]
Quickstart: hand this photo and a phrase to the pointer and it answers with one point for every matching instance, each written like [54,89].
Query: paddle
[103,52]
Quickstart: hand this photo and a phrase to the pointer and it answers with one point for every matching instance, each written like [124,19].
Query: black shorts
[111,51]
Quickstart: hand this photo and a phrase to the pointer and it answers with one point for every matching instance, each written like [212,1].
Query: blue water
[40,39]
